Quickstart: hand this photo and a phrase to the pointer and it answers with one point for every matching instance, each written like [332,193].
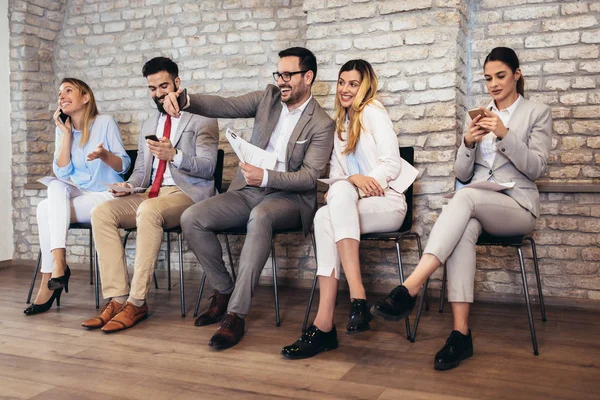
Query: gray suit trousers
[261,210]
[454,236]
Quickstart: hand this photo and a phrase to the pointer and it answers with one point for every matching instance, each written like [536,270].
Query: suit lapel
[185,119]
[269,127]
[304,118]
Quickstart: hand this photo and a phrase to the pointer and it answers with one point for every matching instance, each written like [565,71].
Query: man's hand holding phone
[175,102]
[160,148]
[116,193]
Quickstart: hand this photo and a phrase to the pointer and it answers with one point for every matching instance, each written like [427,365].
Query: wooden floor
[49,356]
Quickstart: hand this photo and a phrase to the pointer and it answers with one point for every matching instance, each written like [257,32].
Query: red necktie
[162,164]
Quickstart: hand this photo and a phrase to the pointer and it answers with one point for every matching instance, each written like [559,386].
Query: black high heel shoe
[61,281]
[40,308]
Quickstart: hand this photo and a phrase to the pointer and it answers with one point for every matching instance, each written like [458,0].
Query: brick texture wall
[427,53]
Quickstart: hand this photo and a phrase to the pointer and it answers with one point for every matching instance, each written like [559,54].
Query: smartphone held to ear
[473,113]
[63,117]
[182,99]
[152,137]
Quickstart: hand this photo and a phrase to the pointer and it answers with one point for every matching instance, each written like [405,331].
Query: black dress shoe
[61,281]
[312,342]
[229,333]
[396,305]
[40,308]
[360,316]
[457,348]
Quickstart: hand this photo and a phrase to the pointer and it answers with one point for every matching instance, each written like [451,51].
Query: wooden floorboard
[49,356]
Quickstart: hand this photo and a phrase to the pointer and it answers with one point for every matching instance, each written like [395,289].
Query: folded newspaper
[47,179]
[249,153]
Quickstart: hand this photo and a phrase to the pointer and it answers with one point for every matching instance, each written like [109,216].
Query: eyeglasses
[286,76]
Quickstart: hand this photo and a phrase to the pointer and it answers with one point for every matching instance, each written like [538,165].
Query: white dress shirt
[281,136]
[167,177]
[488,145]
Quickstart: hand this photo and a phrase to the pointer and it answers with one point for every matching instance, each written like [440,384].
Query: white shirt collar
[509,110]
[297,110]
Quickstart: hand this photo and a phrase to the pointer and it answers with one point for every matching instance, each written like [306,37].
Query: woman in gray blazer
[507,143]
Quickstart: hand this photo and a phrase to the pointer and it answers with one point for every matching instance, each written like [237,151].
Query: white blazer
[377,150]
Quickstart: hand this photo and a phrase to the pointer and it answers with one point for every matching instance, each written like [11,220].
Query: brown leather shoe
[216,309]
[127,317]
[108,311]
[229,333]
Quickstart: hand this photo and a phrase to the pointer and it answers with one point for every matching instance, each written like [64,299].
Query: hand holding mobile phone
[182,99]
[473,113]
[63,117]
[152,137]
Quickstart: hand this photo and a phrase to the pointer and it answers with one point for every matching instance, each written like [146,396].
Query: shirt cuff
[63,172]
[177,158]
[265,178]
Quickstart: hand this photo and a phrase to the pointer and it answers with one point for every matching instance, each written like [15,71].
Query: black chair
[75,225]
[405,232]
[218,176]
[485,239]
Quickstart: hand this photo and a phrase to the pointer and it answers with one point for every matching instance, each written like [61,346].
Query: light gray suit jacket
[308,149]
[197,138]
[521,156]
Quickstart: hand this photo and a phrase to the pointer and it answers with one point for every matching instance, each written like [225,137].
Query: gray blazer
[197,138]
[521,157]
[308,149]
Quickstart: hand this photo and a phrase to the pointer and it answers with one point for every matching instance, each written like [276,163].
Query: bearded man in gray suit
[288,121]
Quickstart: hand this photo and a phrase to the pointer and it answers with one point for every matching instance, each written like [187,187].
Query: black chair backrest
[408,154]
[219,171]
[133,155]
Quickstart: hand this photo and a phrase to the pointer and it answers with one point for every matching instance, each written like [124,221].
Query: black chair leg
[181,281]
[443,292]
[233,276]
[537,276]
[527,302]
[419,311]
[312,291]
[169,260]
[34,277]
[97,280]
[401,276]
[200,294]
[91,258]
[274,262]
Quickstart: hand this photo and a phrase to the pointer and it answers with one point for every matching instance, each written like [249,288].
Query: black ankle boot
[61,281]
[360,316]
[312,342]
[396,305]
[457,348]
[40,308]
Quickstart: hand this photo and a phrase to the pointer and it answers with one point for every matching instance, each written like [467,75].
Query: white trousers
[65,204]
[346,216]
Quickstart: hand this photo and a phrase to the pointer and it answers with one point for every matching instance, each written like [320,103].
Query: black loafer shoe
[457,348]
[360,316]
[396,305]
[312,342]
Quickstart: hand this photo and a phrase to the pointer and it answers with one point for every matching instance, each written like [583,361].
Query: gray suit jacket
[308,149]
[197,138]
[521,157]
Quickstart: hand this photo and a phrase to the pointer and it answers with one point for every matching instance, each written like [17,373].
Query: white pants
[65,204]
[346,216]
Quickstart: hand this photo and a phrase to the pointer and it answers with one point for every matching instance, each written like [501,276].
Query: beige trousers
[454,236]
[150,216]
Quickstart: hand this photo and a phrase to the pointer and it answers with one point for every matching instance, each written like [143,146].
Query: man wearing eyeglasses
[289,122]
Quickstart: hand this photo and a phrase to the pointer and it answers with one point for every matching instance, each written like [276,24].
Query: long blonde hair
[90,110]
[364,96]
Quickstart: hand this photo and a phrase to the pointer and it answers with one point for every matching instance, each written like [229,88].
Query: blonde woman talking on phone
[367,198]
[508,143]
[88,152]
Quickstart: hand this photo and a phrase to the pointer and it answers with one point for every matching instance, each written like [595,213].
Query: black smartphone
[152,137]
[182,99]
[63,117]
